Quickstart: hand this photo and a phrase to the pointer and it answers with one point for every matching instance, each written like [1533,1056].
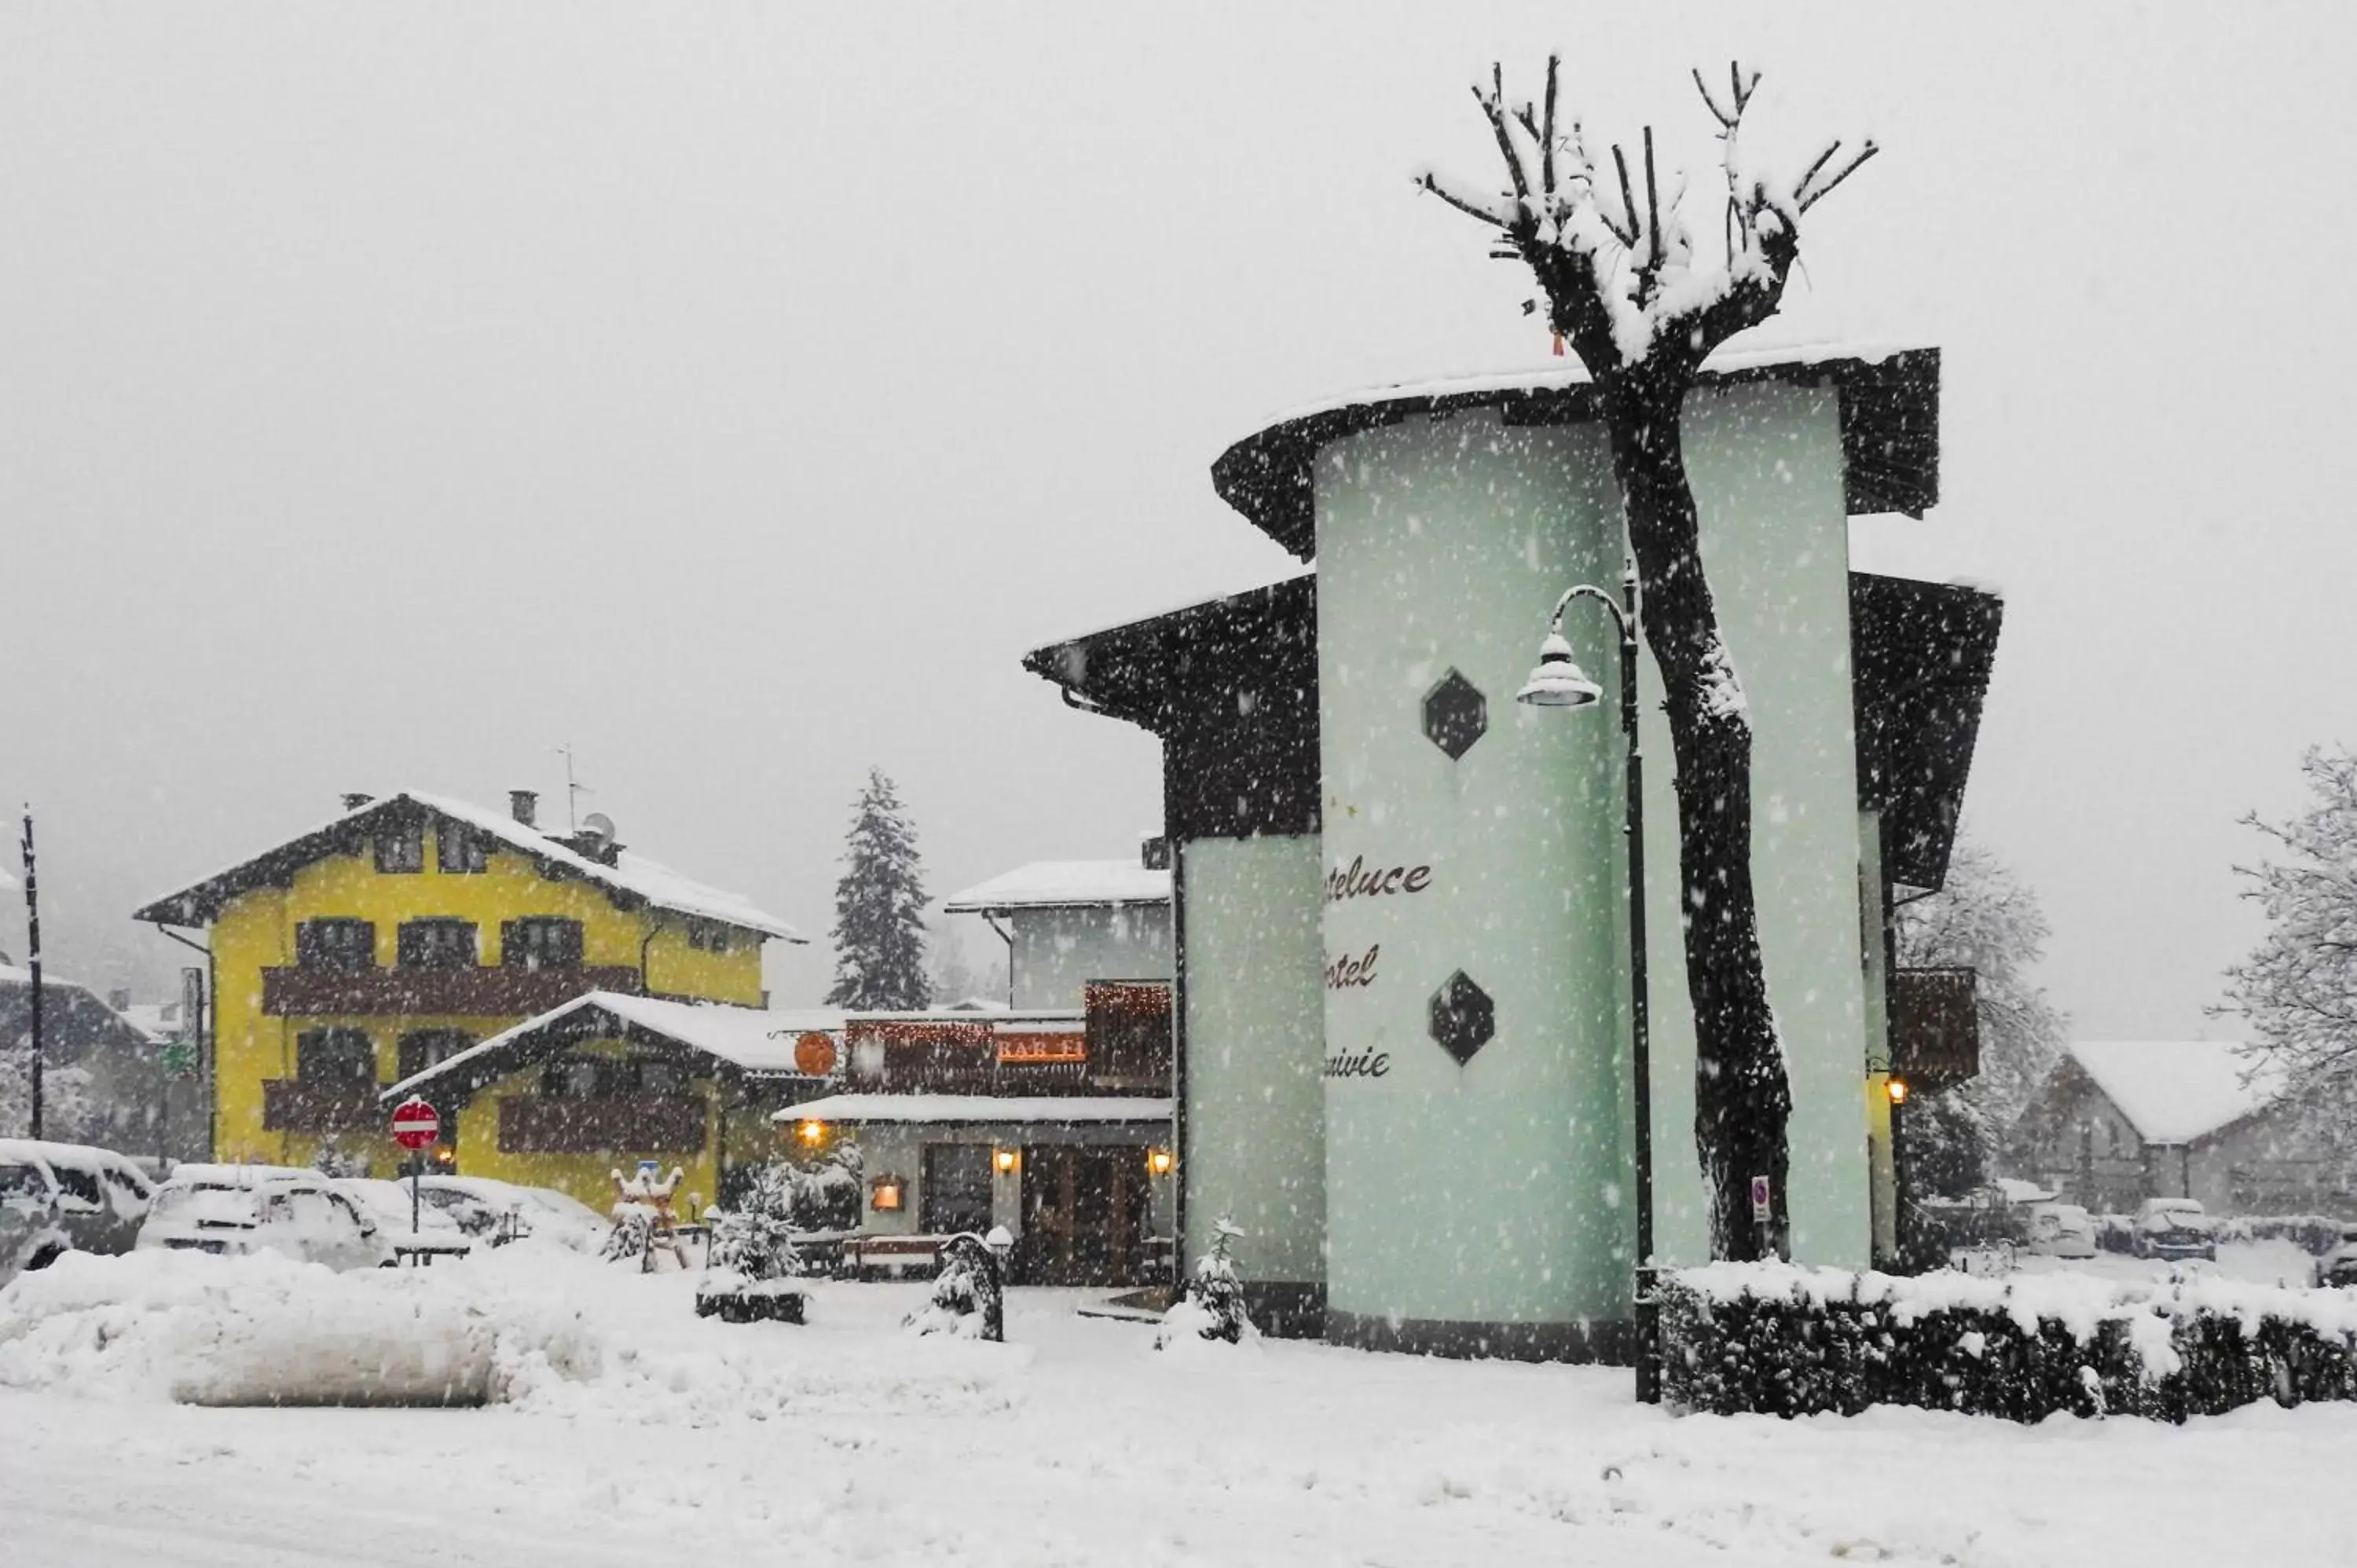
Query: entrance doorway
[1084,1216]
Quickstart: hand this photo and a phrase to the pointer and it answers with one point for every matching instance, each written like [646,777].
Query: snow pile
[532,1326]
[265,1329]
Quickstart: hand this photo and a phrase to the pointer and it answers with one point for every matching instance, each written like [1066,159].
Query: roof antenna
[574,790]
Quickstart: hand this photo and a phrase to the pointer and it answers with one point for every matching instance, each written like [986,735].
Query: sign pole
[416,1175]
[33,962]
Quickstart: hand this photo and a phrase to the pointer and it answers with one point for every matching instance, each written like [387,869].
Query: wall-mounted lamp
[1896,1090]
[884,1195]
[812,1132]
[1159,1161]
[1005,1160]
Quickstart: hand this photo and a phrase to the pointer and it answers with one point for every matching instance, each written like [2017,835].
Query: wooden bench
[890,1257]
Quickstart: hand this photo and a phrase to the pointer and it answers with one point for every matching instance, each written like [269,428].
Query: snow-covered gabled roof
[1065,884]
[2179,1092]
[1030,1108]
[751,1039]
[631,877]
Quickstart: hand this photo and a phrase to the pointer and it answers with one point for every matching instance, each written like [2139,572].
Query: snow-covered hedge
[2316,1234]
[1777,1339]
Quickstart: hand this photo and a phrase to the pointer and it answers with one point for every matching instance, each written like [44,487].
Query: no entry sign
[415,1124]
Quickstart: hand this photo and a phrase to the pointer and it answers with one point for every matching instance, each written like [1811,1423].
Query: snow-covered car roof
[198,1173]
[73,1157]
[630,878]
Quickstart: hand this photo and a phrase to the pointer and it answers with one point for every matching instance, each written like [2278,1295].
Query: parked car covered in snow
[2338,1267]
[387,1202]
[2175,1228]
[102,1197]
[2061,1230]
[234,1210]
[501,1211]
[31,1236]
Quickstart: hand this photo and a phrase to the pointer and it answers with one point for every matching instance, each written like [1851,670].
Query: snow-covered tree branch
[2298,987]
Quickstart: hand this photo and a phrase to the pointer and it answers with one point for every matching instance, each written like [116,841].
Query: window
[335,944]
[707,936]
[401,849]
[423,1048]
[457,848]
[576,1078]
[540,942]
[349,1215]
[957,1194]
[77,1182]
[659,1077]
[438,944]
[334,1056]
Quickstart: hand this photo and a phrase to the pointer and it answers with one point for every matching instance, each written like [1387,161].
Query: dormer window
[459,849]
[401,850]
[438,944]
[540,942]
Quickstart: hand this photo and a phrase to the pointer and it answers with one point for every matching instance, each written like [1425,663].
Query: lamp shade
[1558,682]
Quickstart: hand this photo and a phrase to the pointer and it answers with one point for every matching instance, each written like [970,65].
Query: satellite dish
[599,827]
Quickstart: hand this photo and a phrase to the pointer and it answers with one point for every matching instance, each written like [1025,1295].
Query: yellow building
[411,930]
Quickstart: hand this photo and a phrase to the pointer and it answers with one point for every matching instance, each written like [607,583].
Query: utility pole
[33,962]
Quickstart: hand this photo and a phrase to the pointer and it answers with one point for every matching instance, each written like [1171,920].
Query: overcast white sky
[390,393]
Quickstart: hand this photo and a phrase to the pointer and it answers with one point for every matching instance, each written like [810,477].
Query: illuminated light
[1004,1159]
[884,1195]
[810,1131]
[1896,1090]
[445,1156]
[1158,1160]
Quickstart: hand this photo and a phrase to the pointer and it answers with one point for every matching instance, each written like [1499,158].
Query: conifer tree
[879,908]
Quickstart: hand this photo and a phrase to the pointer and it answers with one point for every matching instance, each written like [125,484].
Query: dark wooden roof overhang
[1921,658]
[1889,427]
[1231,686]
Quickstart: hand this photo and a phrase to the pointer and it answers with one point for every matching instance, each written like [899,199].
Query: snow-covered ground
[633,1433]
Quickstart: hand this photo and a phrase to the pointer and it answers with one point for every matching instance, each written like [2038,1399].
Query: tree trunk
[1742,1097]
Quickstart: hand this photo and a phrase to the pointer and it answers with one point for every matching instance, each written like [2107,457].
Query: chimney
[523,805]
[353,802]
[1153,853]
[119,1000]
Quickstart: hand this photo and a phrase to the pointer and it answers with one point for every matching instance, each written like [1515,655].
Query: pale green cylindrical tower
[1477,1149]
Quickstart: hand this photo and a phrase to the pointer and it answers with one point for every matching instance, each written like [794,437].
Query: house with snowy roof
[2120,1121]
[1050,1119]
[416,930]
[103,1076]
[1066,922]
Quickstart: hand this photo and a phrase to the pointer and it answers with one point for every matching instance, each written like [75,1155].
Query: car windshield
[206,1204]
[21,1181]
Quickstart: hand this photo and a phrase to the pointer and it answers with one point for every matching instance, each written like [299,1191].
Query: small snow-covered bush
[1776,1340]
[2315,1234]
[1213,1305]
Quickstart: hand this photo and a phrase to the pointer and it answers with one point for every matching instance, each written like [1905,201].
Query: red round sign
[415,1124]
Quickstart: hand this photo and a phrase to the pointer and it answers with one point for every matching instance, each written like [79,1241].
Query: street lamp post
[1559,682]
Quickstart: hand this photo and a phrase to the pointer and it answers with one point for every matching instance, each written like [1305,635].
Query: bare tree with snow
[2299,988]
[1624,290]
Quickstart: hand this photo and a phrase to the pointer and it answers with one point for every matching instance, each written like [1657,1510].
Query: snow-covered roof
[2178,1091]
[632,875]
[977,1108]
[1064,883]
[752,1039]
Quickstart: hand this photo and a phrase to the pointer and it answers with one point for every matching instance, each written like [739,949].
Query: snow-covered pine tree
[1626,291]
[879,908]
[2299,988]
[755,1237]
[1213,1305]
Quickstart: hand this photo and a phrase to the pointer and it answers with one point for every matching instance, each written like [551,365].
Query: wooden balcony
[289,1105]
[621,1125]
[1936,1032]
[472,992]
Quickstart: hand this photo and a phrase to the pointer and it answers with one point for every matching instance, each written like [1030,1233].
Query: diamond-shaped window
[1463,1018]
[1455,715]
